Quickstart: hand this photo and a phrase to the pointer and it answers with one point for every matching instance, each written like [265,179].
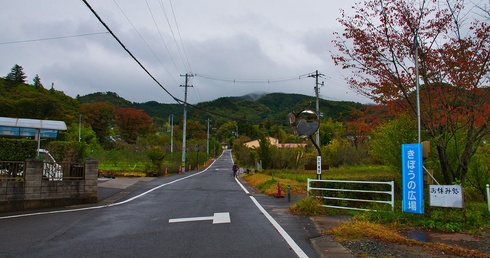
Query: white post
[80,128]
[308,189]
[319,167]
[417,86]
[488,197]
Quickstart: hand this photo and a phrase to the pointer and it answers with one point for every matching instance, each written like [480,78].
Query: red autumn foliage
[131,123]
[377,45]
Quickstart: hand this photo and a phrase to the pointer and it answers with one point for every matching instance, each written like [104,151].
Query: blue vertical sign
[412,178]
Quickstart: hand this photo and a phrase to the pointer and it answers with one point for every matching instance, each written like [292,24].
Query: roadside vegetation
[474,218]
[384,226]
[358,141]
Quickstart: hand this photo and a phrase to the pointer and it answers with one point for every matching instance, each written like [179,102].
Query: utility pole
[186,85]
[317,91]
[171,133]
[207,149]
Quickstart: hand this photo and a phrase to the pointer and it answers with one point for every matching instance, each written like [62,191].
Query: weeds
[309,206]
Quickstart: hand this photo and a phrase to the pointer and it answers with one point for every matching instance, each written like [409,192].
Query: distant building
[224,145]
[274,142]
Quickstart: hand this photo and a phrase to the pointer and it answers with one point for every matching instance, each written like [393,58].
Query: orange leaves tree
[132,122]
[453,43]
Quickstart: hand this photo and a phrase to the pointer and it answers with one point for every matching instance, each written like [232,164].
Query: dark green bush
[68,150]
[17,149]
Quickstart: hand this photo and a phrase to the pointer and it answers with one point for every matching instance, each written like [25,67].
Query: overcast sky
[217,40]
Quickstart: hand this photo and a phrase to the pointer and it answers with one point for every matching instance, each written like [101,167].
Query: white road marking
[109,205]
[217,218]
[276,225]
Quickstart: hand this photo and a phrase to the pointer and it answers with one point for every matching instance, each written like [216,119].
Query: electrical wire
[180,37]
[146,43]
[161,37]
[179,101]
[250,80]
[53,38]
[129,52]
[173,36]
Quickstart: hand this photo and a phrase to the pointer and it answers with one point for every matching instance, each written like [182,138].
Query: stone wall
[35,192]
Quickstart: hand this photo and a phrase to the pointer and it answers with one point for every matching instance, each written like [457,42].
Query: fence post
[488,197]
[392,195]
[308,188]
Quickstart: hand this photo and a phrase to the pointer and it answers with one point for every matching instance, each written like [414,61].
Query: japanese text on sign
[446,196]
[412,177]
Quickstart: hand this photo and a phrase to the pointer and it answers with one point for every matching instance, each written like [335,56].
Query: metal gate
[324,190]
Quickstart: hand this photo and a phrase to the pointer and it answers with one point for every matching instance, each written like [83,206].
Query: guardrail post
[488,197]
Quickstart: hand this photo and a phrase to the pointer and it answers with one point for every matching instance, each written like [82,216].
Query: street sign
[412,178]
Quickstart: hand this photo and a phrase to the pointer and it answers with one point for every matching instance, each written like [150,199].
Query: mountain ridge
[255,107]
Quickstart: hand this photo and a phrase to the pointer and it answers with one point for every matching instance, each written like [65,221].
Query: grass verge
[358,229]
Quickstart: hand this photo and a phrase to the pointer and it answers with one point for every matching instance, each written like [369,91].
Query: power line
[146,43]
[161,37]
[53,38]
[129,52]
[180,37]
[251,80]
[173,36]
[179,101]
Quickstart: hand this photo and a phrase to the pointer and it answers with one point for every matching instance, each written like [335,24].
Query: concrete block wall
[34,192]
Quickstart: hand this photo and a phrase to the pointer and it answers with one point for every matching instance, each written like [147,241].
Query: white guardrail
[391,193]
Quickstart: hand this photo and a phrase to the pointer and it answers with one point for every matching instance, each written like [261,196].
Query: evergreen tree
[16,75]
[37,82]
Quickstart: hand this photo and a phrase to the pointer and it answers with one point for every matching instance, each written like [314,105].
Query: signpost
[412,178]
[306,123]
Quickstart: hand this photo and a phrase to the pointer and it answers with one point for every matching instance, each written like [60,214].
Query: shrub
[156,155]
[17,149]
[308,206]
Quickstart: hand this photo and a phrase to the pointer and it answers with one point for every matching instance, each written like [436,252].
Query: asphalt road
[199,214]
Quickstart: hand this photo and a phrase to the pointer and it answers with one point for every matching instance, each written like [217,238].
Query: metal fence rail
[14,170]
[391,193]
[11,170]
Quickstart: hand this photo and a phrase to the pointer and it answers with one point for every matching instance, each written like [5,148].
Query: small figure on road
[235,169]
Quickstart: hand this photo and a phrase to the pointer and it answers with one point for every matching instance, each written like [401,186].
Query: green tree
[99,116]
[265,152]
[330,129]
[387,140]
[37,82]
[16,75]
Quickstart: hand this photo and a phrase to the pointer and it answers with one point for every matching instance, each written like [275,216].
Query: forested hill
[272,108]
[31,101]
